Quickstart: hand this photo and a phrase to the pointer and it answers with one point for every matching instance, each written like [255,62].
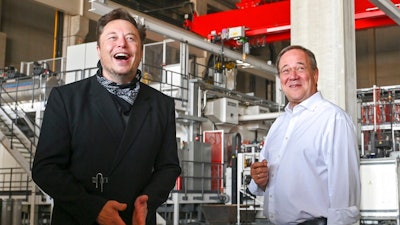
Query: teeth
[121,55]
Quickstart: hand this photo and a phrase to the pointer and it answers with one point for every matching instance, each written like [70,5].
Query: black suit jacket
[83,135]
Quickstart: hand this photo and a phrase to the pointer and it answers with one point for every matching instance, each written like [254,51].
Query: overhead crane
[270,22]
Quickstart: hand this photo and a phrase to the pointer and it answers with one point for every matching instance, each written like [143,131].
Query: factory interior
[216,59]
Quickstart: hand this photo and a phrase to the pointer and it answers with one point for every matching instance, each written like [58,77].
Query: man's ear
[98,51]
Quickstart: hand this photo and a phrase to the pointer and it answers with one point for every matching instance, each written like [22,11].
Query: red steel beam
[367,15]
[272,20]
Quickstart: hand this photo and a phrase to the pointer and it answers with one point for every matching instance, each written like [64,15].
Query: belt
[316,221]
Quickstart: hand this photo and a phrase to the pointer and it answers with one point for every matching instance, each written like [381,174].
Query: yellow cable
[55,38]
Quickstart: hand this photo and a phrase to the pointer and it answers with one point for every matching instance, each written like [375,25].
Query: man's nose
[121,42]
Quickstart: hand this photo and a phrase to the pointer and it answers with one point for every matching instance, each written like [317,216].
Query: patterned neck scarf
[127,92]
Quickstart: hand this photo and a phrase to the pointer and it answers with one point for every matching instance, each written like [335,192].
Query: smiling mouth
[121,56]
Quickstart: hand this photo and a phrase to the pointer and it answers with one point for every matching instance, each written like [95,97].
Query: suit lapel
[105,106]
[140,110]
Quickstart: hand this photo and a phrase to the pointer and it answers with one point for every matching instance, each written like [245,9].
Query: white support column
[34,207]
[175,199]
[327,29]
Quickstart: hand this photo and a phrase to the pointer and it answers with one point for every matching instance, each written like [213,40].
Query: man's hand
[109,213]
[140,211]
[259,173]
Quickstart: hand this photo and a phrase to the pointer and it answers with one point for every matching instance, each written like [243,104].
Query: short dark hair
[308,52]
[119,14]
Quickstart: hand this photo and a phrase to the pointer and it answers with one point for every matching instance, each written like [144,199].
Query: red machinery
[269,22]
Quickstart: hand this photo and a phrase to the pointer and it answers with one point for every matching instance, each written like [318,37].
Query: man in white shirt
[308,170]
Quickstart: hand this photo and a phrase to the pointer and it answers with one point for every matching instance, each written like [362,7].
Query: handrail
[14,181]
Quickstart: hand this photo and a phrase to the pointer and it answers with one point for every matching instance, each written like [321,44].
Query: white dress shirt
[313,164]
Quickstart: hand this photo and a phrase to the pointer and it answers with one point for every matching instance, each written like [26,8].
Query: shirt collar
[310,103]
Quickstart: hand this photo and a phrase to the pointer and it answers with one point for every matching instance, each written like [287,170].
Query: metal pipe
[262,116]
[175,198]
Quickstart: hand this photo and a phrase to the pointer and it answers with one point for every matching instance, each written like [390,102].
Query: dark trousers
[316,221]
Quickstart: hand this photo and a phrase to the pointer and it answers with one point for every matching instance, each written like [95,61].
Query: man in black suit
[107,152]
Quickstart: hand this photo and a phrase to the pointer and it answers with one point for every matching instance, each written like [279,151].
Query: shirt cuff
[254,189]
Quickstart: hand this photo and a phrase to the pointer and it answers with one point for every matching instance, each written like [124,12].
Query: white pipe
[262,116]
[175,199]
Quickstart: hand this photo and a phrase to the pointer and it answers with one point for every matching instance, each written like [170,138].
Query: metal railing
[201,177]
[14,181]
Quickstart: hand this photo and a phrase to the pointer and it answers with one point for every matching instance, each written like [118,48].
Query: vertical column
[200,7]
[175,200]
[327,28]
[33,212]
[371,46]
[2,49]
[75,30]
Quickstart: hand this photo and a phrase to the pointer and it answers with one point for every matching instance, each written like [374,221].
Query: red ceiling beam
[256,19]
[367,15]
[272,20]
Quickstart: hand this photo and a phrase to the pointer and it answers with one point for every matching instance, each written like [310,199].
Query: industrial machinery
[10,72]
[35,82]
[219,129]
[379,121]
[379,167]
[248,202]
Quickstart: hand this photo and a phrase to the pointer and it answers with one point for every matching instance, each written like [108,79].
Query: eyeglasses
[289,70]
